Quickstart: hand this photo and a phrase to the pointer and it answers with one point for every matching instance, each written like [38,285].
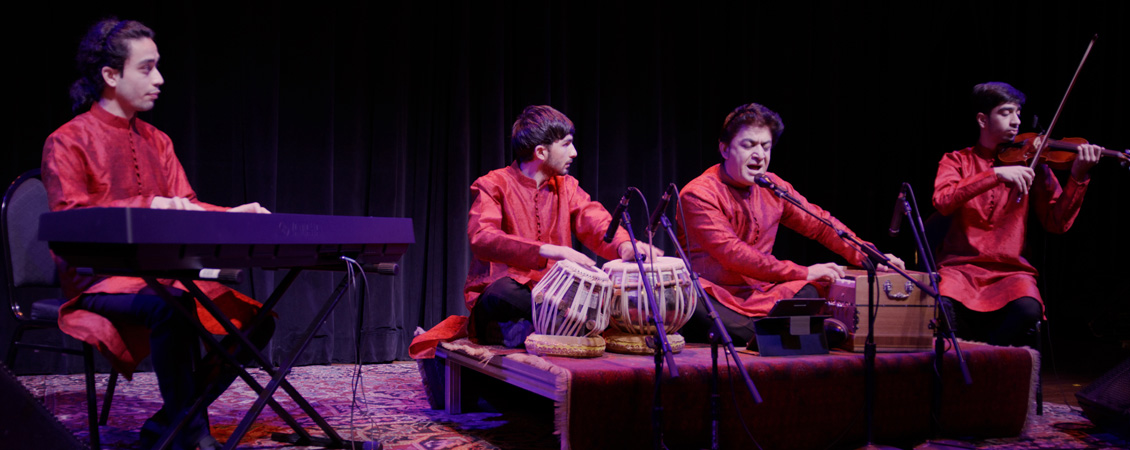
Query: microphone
[616,214]
[765,182]
[653,221]
[896,217]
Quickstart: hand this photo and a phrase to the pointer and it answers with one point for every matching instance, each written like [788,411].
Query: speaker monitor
[1107,400]
[25,424]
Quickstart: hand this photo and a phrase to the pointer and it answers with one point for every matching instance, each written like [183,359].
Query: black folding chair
[30,268]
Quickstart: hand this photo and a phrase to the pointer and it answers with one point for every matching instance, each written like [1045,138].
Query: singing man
[731,225]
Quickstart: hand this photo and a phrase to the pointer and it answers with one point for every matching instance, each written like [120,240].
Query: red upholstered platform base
[809,401]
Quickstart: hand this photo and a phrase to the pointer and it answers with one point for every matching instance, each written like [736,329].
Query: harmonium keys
[902,323]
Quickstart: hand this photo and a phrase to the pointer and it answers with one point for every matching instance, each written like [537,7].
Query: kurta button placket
[537,215]
[133,153]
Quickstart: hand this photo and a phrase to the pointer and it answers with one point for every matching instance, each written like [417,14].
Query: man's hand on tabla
[558,252]
[627,254]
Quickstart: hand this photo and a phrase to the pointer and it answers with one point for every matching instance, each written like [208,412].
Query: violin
[1058,154]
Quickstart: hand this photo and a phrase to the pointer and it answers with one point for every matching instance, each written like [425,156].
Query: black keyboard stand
[165,244]
[278,374]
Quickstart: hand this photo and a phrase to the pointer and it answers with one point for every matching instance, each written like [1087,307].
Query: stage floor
[394,411]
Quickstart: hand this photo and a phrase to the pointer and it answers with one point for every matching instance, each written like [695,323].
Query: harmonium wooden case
[902,323]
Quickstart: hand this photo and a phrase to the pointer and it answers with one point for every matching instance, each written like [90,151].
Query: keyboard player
[107,157]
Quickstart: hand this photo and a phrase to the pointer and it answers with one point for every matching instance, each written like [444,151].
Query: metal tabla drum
[570,310]
[631,312]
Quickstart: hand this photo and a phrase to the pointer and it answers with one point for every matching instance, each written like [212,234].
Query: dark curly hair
[751,114]
[105,45]
[538,125]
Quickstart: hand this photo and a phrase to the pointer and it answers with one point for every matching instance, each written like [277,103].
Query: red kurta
[731,231]
[99,159]
[980,260]
[510,219]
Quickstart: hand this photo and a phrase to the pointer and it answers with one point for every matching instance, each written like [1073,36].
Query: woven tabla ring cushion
[636,344]
[573,347]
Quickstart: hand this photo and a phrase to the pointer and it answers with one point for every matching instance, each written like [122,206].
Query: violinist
[992,287]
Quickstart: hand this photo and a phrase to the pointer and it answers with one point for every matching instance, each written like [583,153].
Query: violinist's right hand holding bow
[1019,177]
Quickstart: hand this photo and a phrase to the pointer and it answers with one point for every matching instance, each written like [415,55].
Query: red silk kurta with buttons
[729,236]
[980,261]
[511,218]
[102,160]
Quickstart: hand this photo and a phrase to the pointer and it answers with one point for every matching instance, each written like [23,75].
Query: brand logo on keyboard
[299,229]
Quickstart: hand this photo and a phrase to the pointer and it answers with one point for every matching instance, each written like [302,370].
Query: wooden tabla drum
[631,312]
[903,321]
[570,310]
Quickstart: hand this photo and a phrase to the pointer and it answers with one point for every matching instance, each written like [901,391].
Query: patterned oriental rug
[391,408]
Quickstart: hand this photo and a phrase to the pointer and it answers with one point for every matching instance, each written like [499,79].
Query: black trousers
[171,341]
[1012,325]
[503,301]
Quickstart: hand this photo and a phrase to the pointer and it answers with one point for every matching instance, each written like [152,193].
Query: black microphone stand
[718,335]
[662,345]
[874,258]
[944,328]
[869,353]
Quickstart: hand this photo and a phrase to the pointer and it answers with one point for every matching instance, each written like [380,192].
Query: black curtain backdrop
[357,109]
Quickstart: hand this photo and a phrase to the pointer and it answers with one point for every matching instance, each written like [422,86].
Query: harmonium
[902,321]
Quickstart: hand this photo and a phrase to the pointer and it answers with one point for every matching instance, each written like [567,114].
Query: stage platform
[809,401]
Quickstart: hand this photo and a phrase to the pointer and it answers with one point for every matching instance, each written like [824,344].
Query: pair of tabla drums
[574,304]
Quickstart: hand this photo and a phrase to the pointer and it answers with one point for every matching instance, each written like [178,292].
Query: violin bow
[1044,143]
